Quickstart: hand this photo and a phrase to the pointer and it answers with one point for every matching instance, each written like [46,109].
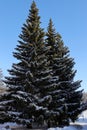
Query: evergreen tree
[62,65]
[26,97]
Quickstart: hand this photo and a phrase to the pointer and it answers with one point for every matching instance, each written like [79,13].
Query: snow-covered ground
[8,126]
[80,124]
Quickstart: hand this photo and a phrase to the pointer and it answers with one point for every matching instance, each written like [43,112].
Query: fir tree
[26,97]
[62,65]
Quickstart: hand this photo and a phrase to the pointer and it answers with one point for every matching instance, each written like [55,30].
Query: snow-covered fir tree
[41,86]
[68,89]
[29,78]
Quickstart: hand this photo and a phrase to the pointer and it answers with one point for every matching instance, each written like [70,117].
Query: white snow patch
[8,125]
[80,124]
[84,114]
[65,128]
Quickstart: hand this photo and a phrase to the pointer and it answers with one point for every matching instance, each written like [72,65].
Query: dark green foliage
[62,66]
[41,85]
[27,76]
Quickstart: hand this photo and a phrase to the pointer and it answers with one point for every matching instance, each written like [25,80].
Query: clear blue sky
[70,20]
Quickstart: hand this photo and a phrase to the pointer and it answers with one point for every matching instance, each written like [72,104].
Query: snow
[37,108]
[8,125]
[65,128]
[84,114]
[14,113]
[46,99]
[5,102]
[19,97]
[80,124]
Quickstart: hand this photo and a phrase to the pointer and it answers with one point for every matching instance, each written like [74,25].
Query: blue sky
[70,20]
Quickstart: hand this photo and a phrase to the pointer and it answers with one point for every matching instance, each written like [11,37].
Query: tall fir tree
[26,97]
[62,65]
